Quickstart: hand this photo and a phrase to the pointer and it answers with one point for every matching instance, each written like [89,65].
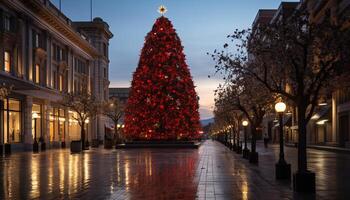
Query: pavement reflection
[99,173]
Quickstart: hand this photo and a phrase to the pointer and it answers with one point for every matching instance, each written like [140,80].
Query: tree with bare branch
[250,97]
[114,109]
[85,107]
[293,57]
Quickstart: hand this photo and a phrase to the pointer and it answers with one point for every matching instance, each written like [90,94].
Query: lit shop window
[12,120]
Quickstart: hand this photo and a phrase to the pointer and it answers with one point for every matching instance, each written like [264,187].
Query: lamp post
[283,170]
[35,143]
[245,150]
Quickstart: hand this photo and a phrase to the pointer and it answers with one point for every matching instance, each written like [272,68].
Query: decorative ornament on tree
[160,107]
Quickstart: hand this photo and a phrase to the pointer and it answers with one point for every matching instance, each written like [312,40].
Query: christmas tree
[162,104]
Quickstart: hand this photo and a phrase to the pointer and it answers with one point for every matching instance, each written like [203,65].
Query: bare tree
[295,58]
[85,106]
[114,109]
[251,98]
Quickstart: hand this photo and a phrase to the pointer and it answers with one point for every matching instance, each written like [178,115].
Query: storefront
[57,125]
[11,120]
[74,128]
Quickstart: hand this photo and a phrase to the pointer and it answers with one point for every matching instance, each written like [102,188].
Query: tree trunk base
[75,146]
[304,182]
[283,171]
[239,150]
[254,157]
[35,147]
[246,153]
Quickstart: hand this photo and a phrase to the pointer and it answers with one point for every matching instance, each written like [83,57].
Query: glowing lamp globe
[280,107]
[245,123]
[35,115]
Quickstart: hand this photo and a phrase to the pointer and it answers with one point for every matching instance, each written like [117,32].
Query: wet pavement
[210,172]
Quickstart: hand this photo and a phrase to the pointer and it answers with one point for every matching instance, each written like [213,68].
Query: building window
[61,82]
[7,61]
[105,49]
[11,115]
[36,40]
[7,23]
[37,73]
[104,73]
[36,121]
[54,80]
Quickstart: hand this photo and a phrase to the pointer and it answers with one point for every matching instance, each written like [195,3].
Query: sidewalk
[332,174]
[324,147]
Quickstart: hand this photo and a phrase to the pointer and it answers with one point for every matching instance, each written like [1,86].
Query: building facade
[330,124]
[43,56]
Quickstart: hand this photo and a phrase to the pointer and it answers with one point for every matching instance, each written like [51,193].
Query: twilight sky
[202,26]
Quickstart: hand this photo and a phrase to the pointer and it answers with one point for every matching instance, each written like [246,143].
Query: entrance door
[343,129]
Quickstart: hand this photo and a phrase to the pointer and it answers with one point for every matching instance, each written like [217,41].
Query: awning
[321,113]
[287,121]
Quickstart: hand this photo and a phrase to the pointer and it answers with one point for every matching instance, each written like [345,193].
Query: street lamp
[35,116]
[283,170]
[245,150]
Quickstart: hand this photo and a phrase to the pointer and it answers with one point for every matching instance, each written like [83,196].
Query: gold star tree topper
[162,10]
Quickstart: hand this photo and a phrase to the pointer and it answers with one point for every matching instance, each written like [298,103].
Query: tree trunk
[302,159]
[253,142]
[116,135]
[238,137]
[82,135]
[233,136]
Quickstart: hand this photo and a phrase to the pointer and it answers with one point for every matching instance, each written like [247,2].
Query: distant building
[120,93]
[44,55]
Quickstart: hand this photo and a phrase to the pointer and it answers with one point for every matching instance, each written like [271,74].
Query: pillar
[46,122]
[28,135]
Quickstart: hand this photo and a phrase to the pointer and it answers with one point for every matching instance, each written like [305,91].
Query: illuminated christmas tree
[162,104]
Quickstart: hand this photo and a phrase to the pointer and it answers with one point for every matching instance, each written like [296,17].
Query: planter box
[7,149]
[95,143]
[75,147]
[43,146]
[108,144]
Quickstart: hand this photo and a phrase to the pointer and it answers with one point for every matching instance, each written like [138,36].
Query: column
[66,127]
[28,135]
[46,121]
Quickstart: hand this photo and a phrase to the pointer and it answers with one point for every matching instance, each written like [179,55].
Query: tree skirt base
[159,144]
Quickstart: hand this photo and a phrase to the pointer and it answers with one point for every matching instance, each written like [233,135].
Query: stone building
[45,55]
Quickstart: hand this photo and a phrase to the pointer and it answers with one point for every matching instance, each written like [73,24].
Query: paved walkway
[210,172]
